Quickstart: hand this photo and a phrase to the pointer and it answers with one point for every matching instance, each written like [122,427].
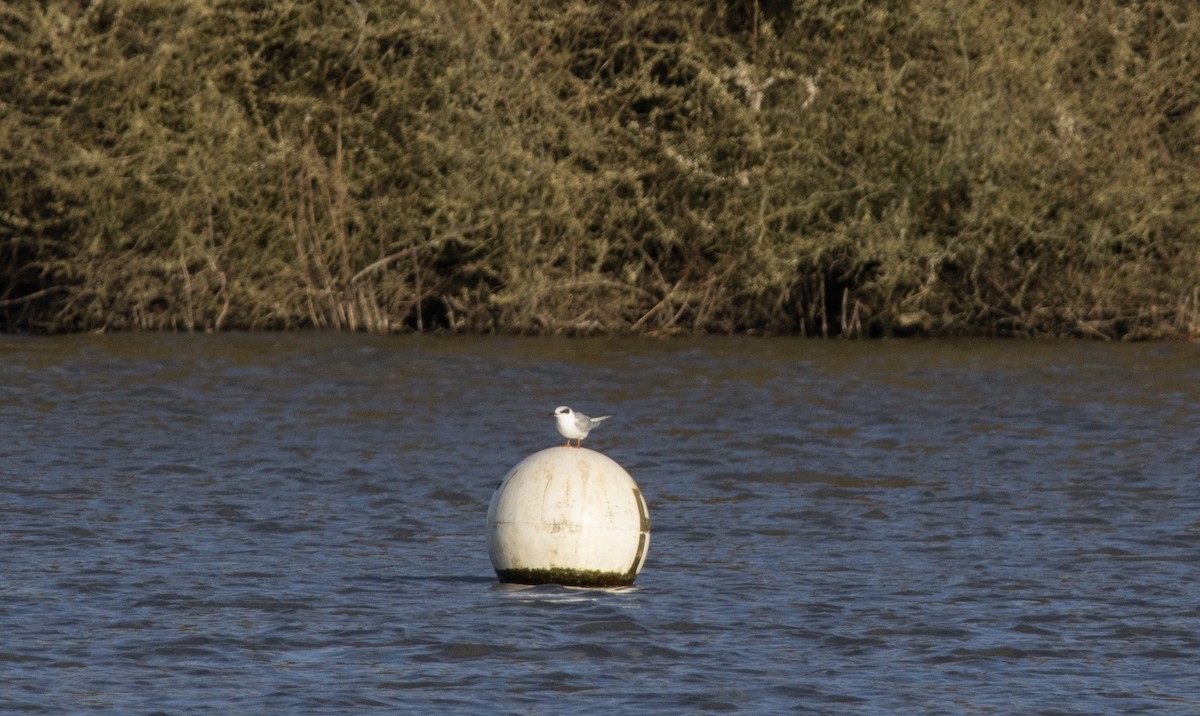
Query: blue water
[294,523]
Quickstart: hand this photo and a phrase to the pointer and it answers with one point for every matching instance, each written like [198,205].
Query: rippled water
[293,523]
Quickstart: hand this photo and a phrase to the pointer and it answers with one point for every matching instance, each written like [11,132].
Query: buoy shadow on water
[560,592]
[568,516]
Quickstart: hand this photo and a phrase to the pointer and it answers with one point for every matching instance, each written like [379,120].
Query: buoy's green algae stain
[567,577]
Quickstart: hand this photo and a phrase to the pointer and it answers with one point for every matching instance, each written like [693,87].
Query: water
[293,523]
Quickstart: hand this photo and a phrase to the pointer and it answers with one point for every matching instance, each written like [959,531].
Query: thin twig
[30,296]
[375,266]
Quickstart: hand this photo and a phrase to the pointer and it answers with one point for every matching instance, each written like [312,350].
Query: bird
[575,426]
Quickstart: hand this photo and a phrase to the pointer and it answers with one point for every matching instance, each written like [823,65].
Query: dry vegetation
[818,168]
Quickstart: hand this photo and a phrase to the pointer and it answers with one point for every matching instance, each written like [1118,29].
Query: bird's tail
[602,417]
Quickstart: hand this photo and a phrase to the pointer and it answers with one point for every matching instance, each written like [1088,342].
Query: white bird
[575,426]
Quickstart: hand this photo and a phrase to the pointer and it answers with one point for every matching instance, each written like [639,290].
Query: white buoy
[568,516]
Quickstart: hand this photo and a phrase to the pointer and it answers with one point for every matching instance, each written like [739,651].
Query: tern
[575,426]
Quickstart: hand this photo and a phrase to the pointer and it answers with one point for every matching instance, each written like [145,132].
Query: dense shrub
[818,168]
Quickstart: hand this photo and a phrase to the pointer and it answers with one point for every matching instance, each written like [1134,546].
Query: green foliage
[836,168]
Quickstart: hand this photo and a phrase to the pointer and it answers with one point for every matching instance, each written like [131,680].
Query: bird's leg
[568,442]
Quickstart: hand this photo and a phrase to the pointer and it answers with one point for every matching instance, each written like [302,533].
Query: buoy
[569,516]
